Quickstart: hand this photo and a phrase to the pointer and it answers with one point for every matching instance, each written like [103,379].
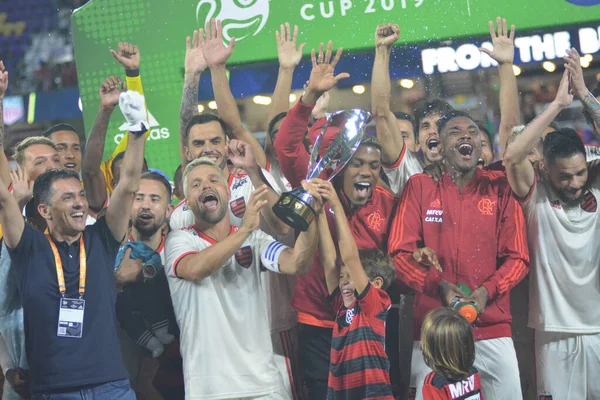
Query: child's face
[346,286]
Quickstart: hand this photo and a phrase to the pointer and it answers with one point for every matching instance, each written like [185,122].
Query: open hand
[21,186]
[289,56]
[110,90]
[128,55]
[386,35]
[427,257]
[504,42]
[3,79]
[322,78]
[573,65]
[195,62]
[564,97]
[257,200]
[215,52]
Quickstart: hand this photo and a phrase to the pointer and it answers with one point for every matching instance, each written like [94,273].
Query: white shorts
[285,355]
[496,361]
[568,365]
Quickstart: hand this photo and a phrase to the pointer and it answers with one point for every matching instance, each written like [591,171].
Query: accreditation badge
[70,318]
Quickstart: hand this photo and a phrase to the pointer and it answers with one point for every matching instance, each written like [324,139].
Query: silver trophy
[297,208]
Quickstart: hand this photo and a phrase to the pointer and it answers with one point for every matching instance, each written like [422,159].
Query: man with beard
[67,144]
[562,224]
[464,229]
[70,330]
[213,268]
[204,135]
[144,308]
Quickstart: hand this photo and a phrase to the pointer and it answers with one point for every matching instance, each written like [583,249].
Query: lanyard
[59,268]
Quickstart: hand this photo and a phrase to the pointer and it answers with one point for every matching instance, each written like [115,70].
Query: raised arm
[10,217]
[4,172]
[327,253]
[504,53]
[289,57]
[388,132]
[118,214]
[216,55]
[194,65]
[241,156]
[200,265]
[93,178]
[590,104]
[297,261]
[347,244]
[519,170]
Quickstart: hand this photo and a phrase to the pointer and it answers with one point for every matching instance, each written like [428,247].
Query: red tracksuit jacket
[479,237]
[370,224]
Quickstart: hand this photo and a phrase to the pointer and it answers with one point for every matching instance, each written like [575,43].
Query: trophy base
[296,209]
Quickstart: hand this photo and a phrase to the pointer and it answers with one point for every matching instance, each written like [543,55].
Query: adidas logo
[436,204]
[156,132]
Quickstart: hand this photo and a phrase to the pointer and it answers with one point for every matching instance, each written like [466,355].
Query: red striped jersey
[437,387]
[359,366]
[479,236]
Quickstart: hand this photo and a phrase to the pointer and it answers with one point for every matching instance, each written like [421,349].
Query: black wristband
[132,73]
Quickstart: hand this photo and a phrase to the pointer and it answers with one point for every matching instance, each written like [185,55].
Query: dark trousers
[315,348]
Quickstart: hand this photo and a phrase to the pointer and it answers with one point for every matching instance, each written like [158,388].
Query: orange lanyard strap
[59,268]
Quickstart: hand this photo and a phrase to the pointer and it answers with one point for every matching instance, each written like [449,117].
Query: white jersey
[279,288]
[592,152]
[565,261]
[241,188]
[225,339]
[408,164]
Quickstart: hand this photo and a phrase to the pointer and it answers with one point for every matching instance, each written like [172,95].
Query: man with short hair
[562,223]
[213,268]
[68,145]
[408,130]
[66,277]
[467,229]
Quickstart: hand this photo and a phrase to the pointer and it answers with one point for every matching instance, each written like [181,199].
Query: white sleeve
[592,152]
[272,182]
[270,250]
[178,245]
[408,164]
[6,361]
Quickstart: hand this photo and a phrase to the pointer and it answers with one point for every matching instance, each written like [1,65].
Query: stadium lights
[549,66]
[200,108]
[586,60]
[516,70]
[293,97]
[212,105]
[358,89]
[407,83]
[262,100]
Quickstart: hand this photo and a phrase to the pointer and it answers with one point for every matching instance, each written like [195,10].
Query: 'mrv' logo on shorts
[240,18]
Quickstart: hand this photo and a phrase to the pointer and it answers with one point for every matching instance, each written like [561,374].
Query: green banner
[159,28]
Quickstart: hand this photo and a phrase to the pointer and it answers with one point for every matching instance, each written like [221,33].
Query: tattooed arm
[590,104]
[194,65]
[4,172]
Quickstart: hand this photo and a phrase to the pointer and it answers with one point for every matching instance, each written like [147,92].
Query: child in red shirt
[449,350]
[359,366]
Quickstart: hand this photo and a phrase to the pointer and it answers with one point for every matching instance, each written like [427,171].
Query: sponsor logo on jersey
[462,388]
[486,206]
[244,256]
[436,204]
[350,315]
[238,207]
[434,216]
[239,183]
[374,221]
[240,18]
[555,204]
